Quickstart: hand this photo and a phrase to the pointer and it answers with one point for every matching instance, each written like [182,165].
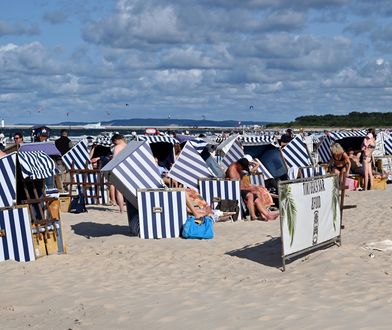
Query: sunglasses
[17,138]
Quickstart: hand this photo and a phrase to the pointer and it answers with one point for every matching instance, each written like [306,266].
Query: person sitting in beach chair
[257,198]
[356,166]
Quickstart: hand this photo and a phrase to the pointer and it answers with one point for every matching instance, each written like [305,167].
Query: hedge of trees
[353,119]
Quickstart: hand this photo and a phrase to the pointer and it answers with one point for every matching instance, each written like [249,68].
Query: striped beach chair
[16,241]
[90,183]
[311,171]
[8,180]
[153,210]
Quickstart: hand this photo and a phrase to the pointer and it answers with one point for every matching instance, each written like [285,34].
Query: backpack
[78,204]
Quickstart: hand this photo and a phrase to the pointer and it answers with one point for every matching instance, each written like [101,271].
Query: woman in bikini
[368,146]
[340,162]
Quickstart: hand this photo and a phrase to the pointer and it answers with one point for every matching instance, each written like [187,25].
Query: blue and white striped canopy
[8,180]
[324,147]
[233,154]
[78,156]
[251,139]
[157,138]
[296,154]
[133,168]
[257,139]
[189,167]
[388,144]
[36,165]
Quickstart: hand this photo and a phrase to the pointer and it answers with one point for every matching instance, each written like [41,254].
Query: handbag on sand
[78,204]
[198,228]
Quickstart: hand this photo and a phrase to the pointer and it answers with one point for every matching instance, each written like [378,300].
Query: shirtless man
[249,192]
[119,144]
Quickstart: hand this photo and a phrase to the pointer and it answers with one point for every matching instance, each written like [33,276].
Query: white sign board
[309,212]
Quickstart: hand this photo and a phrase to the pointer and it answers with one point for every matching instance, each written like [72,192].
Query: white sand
[109,280]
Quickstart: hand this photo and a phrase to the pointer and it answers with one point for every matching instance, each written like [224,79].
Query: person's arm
[255,166]
[348,162]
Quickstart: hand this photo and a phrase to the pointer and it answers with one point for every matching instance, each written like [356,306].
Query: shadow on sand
[267,253]
[93,229]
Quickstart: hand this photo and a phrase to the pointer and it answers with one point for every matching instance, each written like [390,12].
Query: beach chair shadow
[267,253]
[93,229]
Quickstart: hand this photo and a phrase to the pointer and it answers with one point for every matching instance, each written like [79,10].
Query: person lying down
[198,207]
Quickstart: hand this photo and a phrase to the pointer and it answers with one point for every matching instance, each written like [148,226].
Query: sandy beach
[109,280]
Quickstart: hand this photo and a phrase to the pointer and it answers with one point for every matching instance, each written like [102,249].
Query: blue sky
[268,60]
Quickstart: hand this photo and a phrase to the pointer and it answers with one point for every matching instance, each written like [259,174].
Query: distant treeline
[353,119]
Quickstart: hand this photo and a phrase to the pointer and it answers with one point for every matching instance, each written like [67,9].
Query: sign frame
[335,240]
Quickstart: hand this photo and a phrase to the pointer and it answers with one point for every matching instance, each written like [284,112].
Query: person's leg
[120,201]
[265,214]
[366,174]
[371,177]
[189,203]
[112,193]
[250,203]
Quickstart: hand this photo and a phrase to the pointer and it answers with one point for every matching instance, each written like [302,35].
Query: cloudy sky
[269,60]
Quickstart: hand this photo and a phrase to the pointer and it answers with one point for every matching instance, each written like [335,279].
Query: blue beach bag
[198,228]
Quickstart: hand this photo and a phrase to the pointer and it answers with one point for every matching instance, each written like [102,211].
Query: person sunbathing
[196,204]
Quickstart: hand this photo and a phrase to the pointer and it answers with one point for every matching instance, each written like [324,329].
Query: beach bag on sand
[229,205]
[78,204]
[198,228]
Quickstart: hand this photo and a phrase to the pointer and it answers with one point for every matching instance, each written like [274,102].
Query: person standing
[18,138]
[63,143]
[116,197]
[367,148]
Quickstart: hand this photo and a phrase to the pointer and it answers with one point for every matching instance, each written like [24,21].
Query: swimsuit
[339,166]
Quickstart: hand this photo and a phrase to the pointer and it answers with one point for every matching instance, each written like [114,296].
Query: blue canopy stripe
[189,167]
[8,180]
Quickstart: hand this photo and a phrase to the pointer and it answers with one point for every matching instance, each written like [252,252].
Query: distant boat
[97,125]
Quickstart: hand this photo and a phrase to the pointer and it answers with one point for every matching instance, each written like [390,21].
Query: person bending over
[340,163]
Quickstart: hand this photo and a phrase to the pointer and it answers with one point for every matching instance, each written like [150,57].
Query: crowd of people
[257,199]
[358,163]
